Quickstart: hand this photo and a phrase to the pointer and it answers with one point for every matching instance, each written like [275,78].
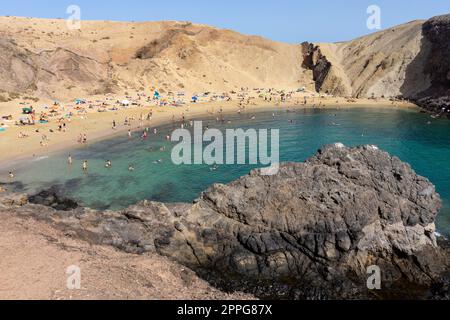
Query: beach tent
[2,129]
[194,99]
[79,101]
[156,95]
[27,110]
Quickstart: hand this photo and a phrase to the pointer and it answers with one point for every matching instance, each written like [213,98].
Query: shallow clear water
[406,134]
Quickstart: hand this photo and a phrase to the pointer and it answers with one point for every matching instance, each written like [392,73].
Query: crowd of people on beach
[62,114]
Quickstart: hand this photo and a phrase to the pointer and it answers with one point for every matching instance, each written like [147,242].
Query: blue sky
[283,20]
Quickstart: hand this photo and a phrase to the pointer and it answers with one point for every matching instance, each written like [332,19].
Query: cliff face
[42,57]
[410,61]
[311,231]
[436,33]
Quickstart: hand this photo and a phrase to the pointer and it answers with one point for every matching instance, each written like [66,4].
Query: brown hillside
[43,57]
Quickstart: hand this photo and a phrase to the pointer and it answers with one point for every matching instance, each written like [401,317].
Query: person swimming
[108,164]
[131,168]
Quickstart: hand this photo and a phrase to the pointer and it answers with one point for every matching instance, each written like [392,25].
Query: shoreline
[98,126]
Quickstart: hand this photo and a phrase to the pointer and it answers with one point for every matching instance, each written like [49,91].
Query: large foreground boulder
[310,231]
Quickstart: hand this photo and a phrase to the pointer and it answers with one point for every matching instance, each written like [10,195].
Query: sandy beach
[32,141]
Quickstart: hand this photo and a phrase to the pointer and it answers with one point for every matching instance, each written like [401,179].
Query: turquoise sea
[412,136]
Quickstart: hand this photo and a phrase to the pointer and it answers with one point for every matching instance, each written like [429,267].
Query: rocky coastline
[309,232]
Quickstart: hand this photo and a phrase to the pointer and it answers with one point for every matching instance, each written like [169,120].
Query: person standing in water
[85,165]
[11,175]
[69,160]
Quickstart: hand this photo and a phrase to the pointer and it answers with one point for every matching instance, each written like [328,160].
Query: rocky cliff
[44,58]
[327,74]
[409,61]
[310,231]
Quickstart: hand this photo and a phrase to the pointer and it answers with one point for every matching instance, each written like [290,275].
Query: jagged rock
[310,231]
[11,199]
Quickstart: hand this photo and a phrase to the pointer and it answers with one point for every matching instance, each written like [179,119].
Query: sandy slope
[44,58]
[377,64]
[35,258]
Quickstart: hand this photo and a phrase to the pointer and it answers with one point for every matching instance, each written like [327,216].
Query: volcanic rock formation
[310,231]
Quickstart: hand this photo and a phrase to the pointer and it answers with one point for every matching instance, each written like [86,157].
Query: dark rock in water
[51,198]
[14,186]
[309,232]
